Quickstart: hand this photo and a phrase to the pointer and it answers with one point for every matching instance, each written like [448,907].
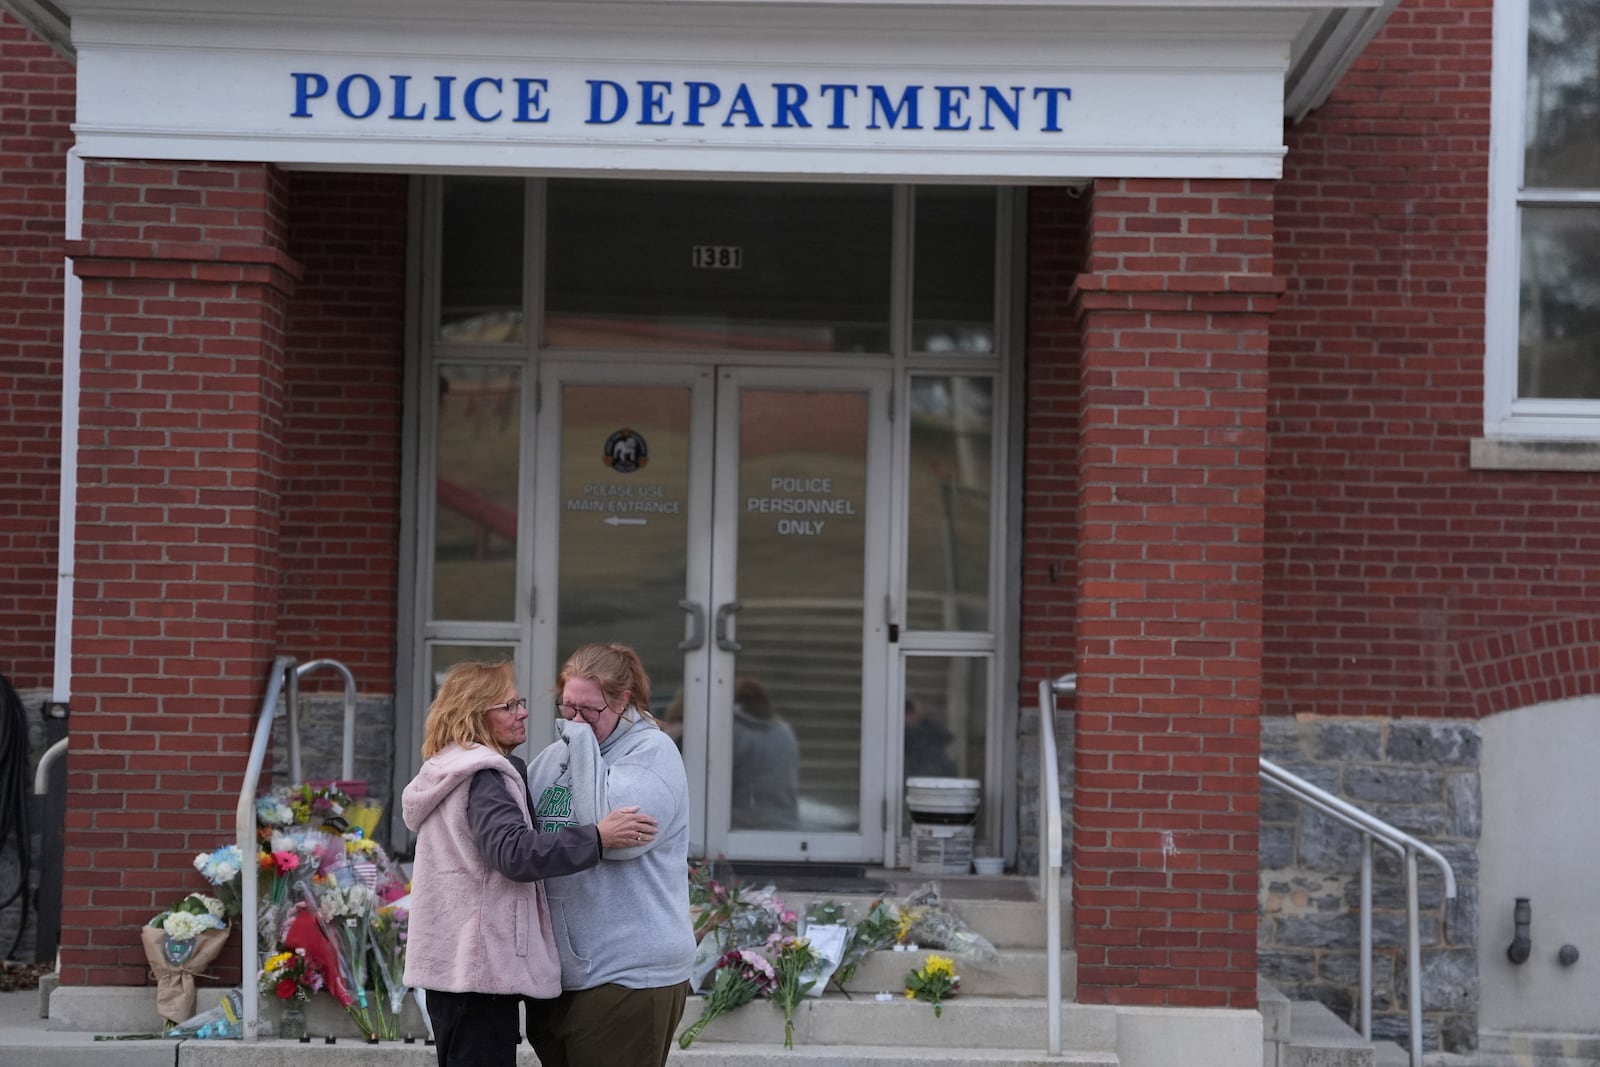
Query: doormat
[811,877]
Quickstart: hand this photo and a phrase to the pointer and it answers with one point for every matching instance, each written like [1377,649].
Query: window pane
[946,718]
[624,531]
[953,280]
[797,695]
[480,268]
[1559,354]
[475,517]
[442,657]
[714,266]
[952,442]
[1563,106]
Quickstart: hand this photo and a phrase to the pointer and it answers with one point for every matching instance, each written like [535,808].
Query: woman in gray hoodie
[480,936]
[622,928]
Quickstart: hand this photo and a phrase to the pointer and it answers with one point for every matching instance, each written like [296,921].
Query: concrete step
[966,1022]
[770,1055]
[1020,972]
[1000,907]
[1319,1038]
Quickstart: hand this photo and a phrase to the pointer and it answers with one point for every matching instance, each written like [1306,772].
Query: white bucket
[989,865]
[943,797]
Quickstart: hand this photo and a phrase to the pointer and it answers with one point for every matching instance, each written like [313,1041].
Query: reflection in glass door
[797,715]
[729,539]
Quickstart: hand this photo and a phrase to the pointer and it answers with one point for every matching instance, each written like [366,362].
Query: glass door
[725,522]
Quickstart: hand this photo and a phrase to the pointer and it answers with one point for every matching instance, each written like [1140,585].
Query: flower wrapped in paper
[877,929]
[739,977]
[178,944]
[929,922]
[386,940]
[740,918]
[346,913]
[305,933]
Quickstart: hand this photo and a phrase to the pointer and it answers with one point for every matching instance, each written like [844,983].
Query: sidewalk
[26,1040]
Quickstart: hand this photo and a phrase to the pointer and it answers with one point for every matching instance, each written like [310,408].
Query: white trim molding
[1023,92]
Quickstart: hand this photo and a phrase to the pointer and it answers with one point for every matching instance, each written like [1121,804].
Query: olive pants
[609,1024]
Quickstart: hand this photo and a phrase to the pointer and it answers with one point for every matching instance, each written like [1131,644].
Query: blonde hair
[458,714]
[616,669]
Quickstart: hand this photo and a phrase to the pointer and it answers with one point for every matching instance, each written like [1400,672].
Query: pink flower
[286,861]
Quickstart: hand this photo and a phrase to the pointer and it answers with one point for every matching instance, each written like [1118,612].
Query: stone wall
[1028,785]
[322,740]
[1421,776]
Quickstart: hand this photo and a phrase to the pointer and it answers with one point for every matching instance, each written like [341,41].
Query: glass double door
[732,525]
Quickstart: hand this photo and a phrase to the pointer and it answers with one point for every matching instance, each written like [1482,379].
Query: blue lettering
[530,100]
[307,87]
[790,100]
[1011,112]
[701,95]
[374,98]
[742,102]
[619,98]
[838,93]
[1052,99]
[469,99]
[908,104]
[652,98]
[399,111]
[445,82]
[952,98]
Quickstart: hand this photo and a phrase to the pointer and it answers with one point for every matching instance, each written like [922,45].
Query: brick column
[185,283]
[1174,301]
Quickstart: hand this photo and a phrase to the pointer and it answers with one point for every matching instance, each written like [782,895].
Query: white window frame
[1505,414]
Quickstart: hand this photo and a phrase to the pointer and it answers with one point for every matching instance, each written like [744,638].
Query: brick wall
[185,283]
[343,380]
[36,105]
[1399,581]
[1174,299]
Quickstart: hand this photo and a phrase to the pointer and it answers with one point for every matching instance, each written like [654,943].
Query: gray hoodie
[627,920]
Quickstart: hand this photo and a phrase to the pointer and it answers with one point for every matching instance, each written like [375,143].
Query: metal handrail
[41,773]
[282,681]
[347,765]
[249,891]
[1051,837]
[1372,828]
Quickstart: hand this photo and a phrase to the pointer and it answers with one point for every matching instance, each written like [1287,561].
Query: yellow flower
[274,962]
[910,994]
[937,965]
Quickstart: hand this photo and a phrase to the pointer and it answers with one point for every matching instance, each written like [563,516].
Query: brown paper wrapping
[175,985]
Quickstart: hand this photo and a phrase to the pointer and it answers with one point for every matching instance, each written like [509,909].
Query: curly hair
[459,714]
[616,669]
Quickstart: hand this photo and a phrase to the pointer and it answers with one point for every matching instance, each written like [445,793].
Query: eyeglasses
[510,705]
[588,714]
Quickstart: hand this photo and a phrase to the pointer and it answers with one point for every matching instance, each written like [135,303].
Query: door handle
[724,642]
[697,632]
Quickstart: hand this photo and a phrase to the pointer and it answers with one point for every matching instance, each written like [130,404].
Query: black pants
[475,1029]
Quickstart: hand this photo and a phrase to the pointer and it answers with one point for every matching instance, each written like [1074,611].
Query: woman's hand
[627,828]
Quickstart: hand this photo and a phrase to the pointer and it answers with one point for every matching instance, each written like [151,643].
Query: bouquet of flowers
[933,981]
[178,943]
[347,912]
[222,869]
[792,960]
[741,976]
[741,919]
[879,928]
[926,920]
[386,938]
[288,976]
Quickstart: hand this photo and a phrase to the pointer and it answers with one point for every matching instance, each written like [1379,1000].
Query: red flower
[286,988]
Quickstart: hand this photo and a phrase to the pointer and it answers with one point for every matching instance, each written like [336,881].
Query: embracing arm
[514,848]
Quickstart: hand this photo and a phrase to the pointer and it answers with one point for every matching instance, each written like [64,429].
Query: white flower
[214,906]
[182,926]
[342,902]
